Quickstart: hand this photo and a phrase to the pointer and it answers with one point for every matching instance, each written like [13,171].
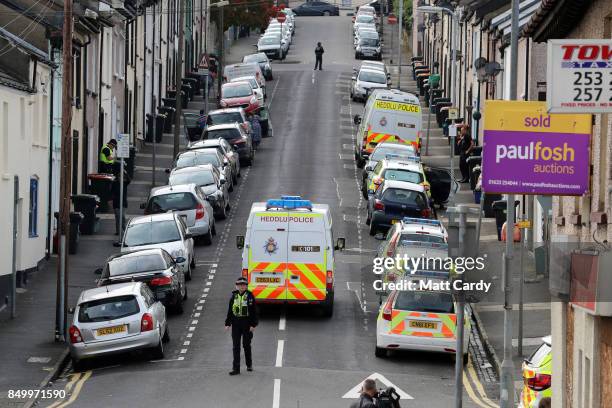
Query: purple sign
[535,163]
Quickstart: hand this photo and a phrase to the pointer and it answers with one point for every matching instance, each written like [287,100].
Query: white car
[259,91]
[364,19]
[166,231]
[366,81]
[272,46]
[186,200]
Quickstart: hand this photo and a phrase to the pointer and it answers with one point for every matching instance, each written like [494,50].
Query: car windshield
[108,309]
[227,134]
[147,233]
[271,40]
[224,118]
[173,201]
[406,238]
[236,91]
[400,196]
[251,81]
[255,58]
[375,77]
[364,18]
[127,265]
[381,152]
[200,178]
[195,159]
[369,42]
[368,34]
[403,175]
[421,301]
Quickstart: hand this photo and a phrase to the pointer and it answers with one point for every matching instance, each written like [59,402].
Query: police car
[421,319]
[537,379]
[288,252]
[396,168]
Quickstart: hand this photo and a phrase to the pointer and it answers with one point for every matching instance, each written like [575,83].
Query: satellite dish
[479,62]
[493,68]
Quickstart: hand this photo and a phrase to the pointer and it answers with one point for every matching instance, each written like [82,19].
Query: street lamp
[220,5]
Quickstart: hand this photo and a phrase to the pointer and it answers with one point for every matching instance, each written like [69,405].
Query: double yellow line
[481,398]
[76,381]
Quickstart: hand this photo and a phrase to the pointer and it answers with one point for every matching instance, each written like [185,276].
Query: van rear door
[400,122]
[268,256]
[307,257]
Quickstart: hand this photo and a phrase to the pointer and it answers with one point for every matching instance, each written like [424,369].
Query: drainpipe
[85,122]
[14,274]
[49,245]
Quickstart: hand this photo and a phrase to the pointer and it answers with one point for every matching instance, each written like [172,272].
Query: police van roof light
[291,197]
[423,221]
[289,204]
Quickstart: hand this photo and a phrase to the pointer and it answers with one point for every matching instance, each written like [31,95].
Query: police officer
[242,317]
[319,56]
[107,159]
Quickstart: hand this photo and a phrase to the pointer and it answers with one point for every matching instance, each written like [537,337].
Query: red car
[239,94]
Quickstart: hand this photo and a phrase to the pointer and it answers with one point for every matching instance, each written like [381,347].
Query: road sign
[452,130]
[281,17]
[453,113]
[355,392]
[528,151]
[123,146]
[392,19]
[579,76]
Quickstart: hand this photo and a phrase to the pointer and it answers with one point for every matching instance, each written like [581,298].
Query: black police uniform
[241,315]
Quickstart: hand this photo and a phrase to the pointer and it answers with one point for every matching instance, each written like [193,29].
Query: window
[33,210]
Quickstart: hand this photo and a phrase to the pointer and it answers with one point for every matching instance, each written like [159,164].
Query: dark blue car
[316,8]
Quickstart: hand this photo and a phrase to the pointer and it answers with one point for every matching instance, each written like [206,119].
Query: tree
[251,13]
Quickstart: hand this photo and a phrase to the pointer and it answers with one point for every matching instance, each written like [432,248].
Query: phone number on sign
[44,394]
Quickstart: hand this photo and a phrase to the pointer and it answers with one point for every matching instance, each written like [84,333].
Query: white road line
[195,322]
[189,335]
[192,328]
[313,77]
[206,289]
[198,307]
[282,323]
[186,343]
[180,358]
[196,314]
[183,351]
[276,396]
[208,283]
[279,353]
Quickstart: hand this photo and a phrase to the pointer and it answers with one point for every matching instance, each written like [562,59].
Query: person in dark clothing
[368,393]
[319,56]
[242,318]
[465,145]
[115,193]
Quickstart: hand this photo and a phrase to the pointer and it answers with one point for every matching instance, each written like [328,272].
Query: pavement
[301,358]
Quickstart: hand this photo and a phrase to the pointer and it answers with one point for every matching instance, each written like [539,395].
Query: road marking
[183,351]
[77,390]
[73,379]
[195,322]
[279,353]
[355,392]
[39,360]
[196,314]
[282,322]
[199,307]
[526,306]
[192,328]
[472,374]
[313,77]
[276,396]
[208,283]
[186,343]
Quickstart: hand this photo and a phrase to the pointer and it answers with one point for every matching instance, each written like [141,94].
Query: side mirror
[179,259]
[143,206]
[188,235]
[167,171]
[369,168]
[356,119]
[98,271]
[340,244]
[71,310]
[117,244]
[239,241]
[222,181]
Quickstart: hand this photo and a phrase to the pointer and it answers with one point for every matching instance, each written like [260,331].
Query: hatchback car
[398,150]
[188,200]
[368,48]
[363,19]
[392,167]
[228,153]
[259,91]
[155,267]
[365,32]
[410,230]
[264,63]
[207,177]
[395,200]
[167,231]
[366,81]
[116,319]
[316,8]
[237,137]
[239,94]
[204,156]
[273,47]
[537,375]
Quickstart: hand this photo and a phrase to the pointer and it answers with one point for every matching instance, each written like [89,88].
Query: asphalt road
[301,359]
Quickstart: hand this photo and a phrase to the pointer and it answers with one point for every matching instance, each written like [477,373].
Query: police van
[288,252]
[390,115]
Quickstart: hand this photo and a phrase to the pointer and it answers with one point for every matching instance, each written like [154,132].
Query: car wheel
[364,193]
[158,351]
[178,306]
[380,352]
[214,229]
[207,239]
[326,13]
[193,263]
[360,162]
[222,214]
[188,274]
[356,56]
[235,178]
[328,306]
[368,219]
[373,228]
[185,293]
[78,365]
[166,337]
[231,187]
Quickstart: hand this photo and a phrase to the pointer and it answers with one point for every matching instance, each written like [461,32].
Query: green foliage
[407,12]
[247,13]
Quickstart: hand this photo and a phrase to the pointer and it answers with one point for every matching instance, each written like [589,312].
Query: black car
[316,8]
[155,267]
[264,63]
[393,201]
[235,134]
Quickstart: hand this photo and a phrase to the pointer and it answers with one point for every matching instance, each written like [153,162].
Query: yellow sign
[397,106]
[523,224]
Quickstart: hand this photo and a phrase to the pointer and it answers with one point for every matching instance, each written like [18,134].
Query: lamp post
[220,5]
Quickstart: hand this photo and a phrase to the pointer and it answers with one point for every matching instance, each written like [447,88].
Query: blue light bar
[422,221]
[289,203]
[290,197]
[422,244]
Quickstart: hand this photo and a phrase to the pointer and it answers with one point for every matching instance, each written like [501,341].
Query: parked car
[188,200]
[204,156]
[167,231]
[366,81]
[264,63]
[237,137]
[363,19]
[239,94]
[368,48]
[259,92]
[228,152]
[316,8]
[395,200]
[208,178]
[537,375]
[116,319]
[397,150]
[273,46]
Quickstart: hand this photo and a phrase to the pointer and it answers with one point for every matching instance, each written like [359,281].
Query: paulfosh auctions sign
[579,76]
[529,151]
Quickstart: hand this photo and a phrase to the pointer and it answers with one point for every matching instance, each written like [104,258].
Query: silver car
[115,319]
[207,177]
[192,158]
[223,146]
[186,200]
[366,81]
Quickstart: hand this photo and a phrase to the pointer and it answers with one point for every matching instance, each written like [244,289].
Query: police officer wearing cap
[242,318]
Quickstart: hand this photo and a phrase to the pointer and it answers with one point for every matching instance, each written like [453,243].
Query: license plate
[111,330]
[394,221]
[420,324]
[266,279]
